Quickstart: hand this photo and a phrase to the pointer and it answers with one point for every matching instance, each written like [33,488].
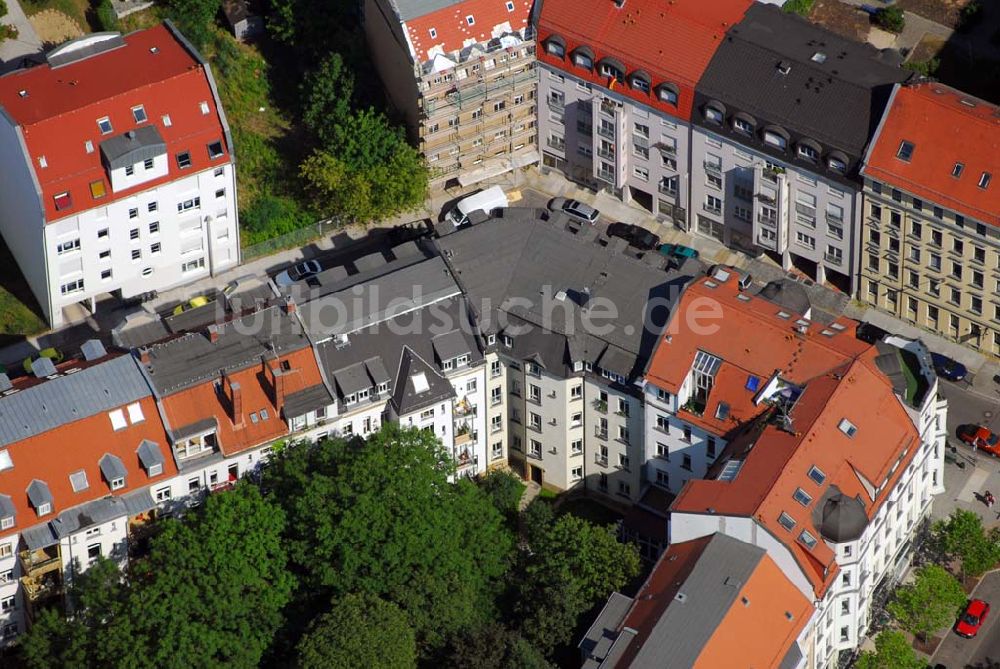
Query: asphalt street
[968,405]
[982,652]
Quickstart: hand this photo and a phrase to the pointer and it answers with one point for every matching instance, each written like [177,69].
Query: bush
[891,18]
[969,16]
[272,215]
[926,68]
[8,32]
[106,17]
[800,7]
[3,8]
[504,490]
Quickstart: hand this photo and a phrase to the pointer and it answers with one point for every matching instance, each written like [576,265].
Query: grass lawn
[545,493]
[19,312]
[77,10]
[588,509]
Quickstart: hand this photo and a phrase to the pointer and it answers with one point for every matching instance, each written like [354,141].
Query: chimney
[236,400]
[289,305]
[144,355]
[278,386]
[213,333]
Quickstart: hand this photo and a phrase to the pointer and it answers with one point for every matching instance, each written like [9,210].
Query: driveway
[27,42]
[956,652]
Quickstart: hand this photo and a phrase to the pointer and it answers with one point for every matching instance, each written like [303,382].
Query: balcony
[464,458]
[39,588]
[41,561]
[608,107]
[463,436]
[834,219]
[666,149]
[712,210]
[556,104]
[713,168]
[767,243]
[607,132]
[605,175]
[601,406]
[767,221]
[667,190]
[607,155]
[772,174]
[766,199]
[464,408]
[557,144]
[833,259]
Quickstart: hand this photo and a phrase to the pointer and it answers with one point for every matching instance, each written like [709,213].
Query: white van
[485,200]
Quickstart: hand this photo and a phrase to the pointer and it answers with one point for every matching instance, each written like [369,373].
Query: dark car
[678,251]
[947,368]
[972,618]
[980,437]
[635,235]
[869,333]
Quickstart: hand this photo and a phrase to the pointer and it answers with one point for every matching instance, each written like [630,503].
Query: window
[68,246]
[743,126]
[470,20]
[186,205]
[203,107]
[535,448]
[956,171]
[44,508]
[905,151]
[984,179]
[802,497]
[193,265]
[139,114]
[817,475]
[623,461]
[148,164]
[105,125]
[686,462]
[136,254]
[847,427]
[576,447]
[667,94]
[807,539]
[154,248]
[774,139]
[7,604]
[75,286]
[710,448]
[802,239]
[162,494]
[184,160]
[215,150]
[713,115]
[807,152]
[786,521]
[63,201]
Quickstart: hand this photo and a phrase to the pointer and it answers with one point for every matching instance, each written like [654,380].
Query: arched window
[555,46]
[667,93]
[612,69]
[808,149]
[776,137]
[583,57]
[715,112]
[640,81]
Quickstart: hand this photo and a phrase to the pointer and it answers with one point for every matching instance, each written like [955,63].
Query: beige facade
[931,267]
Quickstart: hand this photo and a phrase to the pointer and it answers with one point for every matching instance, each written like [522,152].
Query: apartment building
[462,74]
[116,185]
[783,113]
[616,91]
[828,460]
[80,445]
[401,346]
[931,229]
[714,601]
[568,315]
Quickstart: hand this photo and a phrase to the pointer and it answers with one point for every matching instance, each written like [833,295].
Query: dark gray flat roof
[411,9]
[833,101]
[304,401]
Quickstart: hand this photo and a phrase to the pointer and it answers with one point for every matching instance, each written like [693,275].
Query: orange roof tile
[53,455]
[452,30]
[203,401]
[945,127]
[58,114]
[672,41]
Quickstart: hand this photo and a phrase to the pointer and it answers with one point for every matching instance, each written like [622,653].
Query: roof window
[117,419]
[786,521]
[956,171]
[730,470]
[984,179]
[105,125]
[78,481]
[510,6]
[97,190]
[807,539]
[22,93]
[88,146]
[817,475]
[802,497]
[139,114]
[203,106]
[62,201]
[753,383]
[433,33]
[215,150]
[166,120]
[905,151]
[184,160]
[5,461]
[470,19]
[784,67]
[818,57]
[722,411]
[847,427]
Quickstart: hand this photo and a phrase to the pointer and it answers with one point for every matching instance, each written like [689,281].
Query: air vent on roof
[847,427]
[93,349]
[743,297]
[784,67]
[968,102]
[681,597]
[837,326]
[818,57]
[5,383]
[22,93]
[43,367]
[154,49]
[341,340]
[784,314]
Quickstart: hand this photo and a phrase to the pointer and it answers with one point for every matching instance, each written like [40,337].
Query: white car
[575,209]
[303,270]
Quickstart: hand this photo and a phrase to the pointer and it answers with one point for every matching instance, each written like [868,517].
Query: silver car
[575,209]
[303,270]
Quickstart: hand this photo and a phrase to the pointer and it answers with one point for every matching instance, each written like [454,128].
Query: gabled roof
[412,395]
[452,30]
[53,455]
[671,41]
[712,602]
[61,104]
[946,127]
[202,403]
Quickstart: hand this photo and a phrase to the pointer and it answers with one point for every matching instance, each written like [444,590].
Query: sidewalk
[27,42]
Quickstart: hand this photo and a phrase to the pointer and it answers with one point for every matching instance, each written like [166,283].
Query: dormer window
[807,151]
[62,201]
[583,58]
[215,150]
[667,93]
[183,160]
[383,387]
[555,46]
[612,69]
[776,139]
[836,164]
[905,151]
[105,125]
[743,126]
[956,171]
[714,115]
[139,114]
[640,81]
[113,470]
[44,508]
[40,497]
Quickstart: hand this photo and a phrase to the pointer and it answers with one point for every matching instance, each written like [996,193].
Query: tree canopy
[929,603]
[962,537]
[892,651]
[359,631]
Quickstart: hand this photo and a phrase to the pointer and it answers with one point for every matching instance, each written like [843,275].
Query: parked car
[635,235]
[981,437]
[575,209]
[677,253]
[303,270]
[193,303]
[947,368]
[53,354]
[972,618]
[869,333]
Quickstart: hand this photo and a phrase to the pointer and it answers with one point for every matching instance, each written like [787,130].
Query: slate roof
[55,402]
[132,147]
[304,401]
[407,398]
[837,102]
[532,261]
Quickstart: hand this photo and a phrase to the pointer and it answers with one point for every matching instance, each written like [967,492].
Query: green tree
[891,18]
[800,7]
[961,537]
[536,519]
[360,631]
[358,524]
[892,651]
[195,18]
[929,603]
[327,92]
[504,490]
[97,598]
[494,647]
[212,590]
[572,566]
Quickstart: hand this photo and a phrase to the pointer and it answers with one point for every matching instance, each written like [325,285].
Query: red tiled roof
[59,114]
[672,41]
[52,456]
[201,402]
[946,127]
[452,28]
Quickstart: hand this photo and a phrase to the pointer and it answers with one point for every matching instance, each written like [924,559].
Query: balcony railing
[766,199]
[602,460]
[834,219]
[768,221]
[605,131]
[712,210]
[558,145]
[40,560]
[667,190]
[606,176]
[556,104]
[463,437]
[713,168]
[666,149]
[601,406]
[601,433]
[607,155]
[834,259]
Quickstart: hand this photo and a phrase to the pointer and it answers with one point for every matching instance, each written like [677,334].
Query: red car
[972,618]
[980,437]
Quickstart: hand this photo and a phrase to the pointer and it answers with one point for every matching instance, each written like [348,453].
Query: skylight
[847,427]
[117,419]
[5,461]
[802,497]
[905,151]
[817,475]
[808,539]
[753,383]
[420,384]
[78,480]
[730,470]
[786,521]
[818,57]
[956,171]
[984,179]
[722,411]
[706,363]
